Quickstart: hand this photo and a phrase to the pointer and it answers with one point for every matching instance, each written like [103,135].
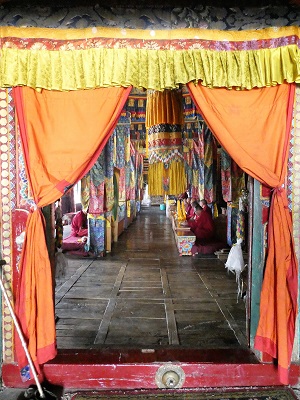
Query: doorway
[158,356]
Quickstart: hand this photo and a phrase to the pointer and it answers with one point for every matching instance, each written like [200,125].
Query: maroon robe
[78,230]
[202,226]
[190,213]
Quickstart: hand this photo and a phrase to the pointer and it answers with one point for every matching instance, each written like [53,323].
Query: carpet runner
[223,394]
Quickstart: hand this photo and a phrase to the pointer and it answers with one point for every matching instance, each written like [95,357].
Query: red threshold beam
[134,370]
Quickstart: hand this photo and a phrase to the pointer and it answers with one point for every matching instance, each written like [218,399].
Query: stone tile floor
[144,294]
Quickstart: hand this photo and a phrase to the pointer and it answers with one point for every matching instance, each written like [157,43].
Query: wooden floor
[144,295]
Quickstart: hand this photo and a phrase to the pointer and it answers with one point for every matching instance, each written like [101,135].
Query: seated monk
[187,205]
[203,204]
[183,196]
[202,225]
[78,237]
[191,213]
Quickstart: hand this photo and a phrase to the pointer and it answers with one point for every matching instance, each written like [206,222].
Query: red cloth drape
[62,135]
[253,127]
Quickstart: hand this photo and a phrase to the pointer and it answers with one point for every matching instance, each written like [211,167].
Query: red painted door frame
[137,369]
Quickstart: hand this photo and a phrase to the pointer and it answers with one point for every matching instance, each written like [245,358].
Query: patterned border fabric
[164,143]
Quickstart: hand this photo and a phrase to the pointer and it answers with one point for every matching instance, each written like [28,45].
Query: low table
[184,237]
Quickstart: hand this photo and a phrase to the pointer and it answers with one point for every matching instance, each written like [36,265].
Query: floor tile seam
[138,284]
[158,300]
[108,313]
[241,338]
[144,318]
[169,309]
[70,283]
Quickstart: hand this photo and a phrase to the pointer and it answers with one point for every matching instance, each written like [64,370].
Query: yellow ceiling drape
[164,119]
[164,108]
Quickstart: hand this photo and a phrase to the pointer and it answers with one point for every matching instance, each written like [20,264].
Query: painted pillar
[257,261]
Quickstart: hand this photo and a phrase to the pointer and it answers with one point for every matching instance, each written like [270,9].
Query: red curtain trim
[46,353]
[62,185]
[292,283]
[283,374]
[265,345]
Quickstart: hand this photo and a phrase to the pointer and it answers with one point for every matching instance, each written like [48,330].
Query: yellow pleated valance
[72,59]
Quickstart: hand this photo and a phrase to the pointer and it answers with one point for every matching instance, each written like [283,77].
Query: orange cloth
[253,127]
[62,135]
[34,297]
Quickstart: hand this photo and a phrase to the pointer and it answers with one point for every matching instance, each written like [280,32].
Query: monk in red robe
[203,204]
[191,212]
[202,225]
[187,204]
[78,236]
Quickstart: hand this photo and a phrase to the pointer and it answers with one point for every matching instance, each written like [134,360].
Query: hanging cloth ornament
[164,121]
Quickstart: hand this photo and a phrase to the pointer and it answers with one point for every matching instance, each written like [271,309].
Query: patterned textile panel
[189,109]
[190,130]
[96,205]
[209,166]
[121,133]
[122,186]
[201,153]
[127,180]
[97,172]
[109,173]
[138,131]
[165,143]
[109,155]
[136,106]
[85,191]
[97,226]
[226,175]
[232,216]
[122,211]
[238,181]
[197,171]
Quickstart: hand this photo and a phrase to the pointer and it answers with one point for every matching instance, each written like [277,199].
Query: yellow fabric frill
[161,69]
[72,67]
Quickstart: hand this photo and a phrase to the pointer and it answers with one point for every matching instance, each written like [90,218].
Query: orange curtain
[253,127]
[62,135]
